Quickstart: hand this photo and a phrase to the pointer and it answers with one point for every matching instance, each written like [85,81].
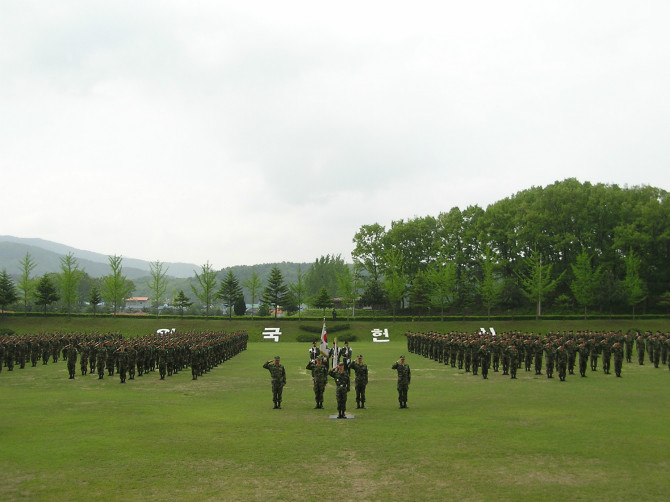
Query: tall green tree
[611,295]
[587,281]
[374,296]
[395,282]
[254,286]
[95,298]
[116,287]
[7,292]
[323,300]
[229,291]
[323,272]
[158,283]
[368,249]
[443,285]
[207,286]
[419,293]
[240,307]
[490,286]
[26,285]
[181,301]
[537,283]
[69,278]
[346,288]
[275,290]
[633,285]
[416,240]
[45,292]
[298,291]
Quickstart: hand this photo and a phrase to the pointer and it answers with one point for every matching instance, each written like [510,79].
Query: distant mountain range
[47,255]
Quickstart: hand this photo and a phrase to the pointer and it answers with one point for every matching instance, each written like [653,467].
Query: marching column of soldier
[559,350]
[126,357]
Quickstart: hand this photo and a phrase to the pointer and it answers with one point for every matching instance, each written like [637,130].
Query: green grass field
[218,438]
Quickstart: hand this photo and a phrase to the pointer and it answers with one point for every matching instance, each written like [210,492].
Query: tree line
[573,246]
[72,290]
[568,247]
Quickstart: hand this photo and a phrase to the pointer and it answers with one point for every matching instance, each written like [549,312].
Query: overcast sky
[261,131]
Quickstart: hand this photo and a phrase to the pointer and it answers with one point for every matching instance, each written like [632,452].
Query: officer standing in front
[278,375]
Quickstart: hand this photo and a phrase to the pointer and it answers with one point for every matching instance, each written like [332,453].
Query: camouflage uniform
[341,378]
[320,379]
[404,378]
[617,352]
[361,380]
[278,374]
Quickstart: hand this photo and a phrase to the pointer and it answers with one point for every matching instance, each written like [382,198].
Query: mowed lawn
[218,438]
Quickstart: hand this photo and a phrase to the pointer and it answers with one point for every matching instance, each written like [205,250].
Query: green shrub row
[341,338]
[332,329]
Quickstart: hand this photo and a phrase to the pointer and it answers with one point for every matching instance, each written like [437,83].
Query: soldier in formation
[514,348]
[319,379]
[114,353]
[71,354]
[360,381]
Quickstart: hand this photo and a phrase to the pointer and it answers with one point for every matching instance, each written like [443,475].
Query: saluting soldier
[495,353]
[361,380]
[571,348]
[342,384]
[583,358]
[628,343]
[71,360]
[404,378]
[607,355]
[513,357]
[278,374]
[617,352]
[484,360]
[122,359]
[550,353]
[561,361]
[85,350]
[162,361]
[100,359]
[319,379]
[639,345]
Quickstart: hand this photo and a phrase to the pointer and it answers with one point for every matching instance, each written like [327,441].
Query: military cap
[277,358]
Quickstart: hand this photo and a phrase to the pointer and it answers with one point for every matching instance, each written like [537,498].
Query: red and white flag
[323,348]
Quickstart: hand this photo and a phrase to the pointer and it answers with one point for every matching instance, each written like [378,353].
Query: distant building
[137,303]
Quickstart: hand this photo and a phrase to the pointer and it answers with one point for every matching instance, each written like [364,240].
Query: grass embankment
[139,326]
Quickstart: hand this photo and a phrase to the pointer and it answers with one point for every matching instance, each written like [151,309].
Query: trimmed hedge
[332,329]
[343,337]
